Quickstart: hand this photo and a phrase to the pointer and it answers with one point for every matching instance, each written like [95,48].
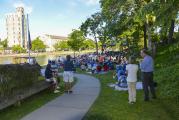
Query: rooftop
[57,37]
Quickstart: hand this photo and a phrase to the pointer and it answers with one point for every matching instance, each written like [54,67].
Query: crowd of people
[125,71]
[93,63]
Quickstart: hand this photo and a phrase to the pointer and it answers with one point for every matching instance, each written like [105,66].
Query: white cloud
[28,9]
[90,2]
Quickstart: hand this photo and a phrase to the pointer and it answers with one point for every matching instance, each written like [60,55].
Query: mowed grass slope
[113,105]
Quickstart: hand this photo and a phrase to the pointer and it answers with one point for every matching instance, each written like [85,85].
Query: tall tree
[76,39]
[62,45]
[38,45]
[88,44]
[4,43]
[90,27]
[97,27]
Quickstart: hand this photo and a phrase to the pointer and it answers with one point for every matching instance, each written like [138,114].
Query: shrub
[15,76]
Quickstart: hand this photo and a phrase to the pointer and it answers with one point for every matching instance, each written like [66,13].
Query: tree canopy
[4,44]
[18,49]
[76,39]
[38,45]
[134,22]
[62,45]
[88,44]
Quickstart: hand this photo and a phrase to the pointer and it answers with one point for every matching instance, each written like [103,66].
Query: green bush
[18,49]
[14,77]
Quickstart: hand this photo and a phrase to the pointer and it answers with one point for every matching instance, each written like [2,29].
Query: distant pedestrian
[68,74]
[131,70]
[147,69]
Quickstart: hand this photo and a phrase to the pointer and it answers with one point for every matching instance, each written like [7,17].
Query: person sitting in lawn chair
[89,66]
[111,65]
[50,77]
[105,67]
[54,67]
[83,66]
[93,68]
[122,81]
[98,67]
[121,76]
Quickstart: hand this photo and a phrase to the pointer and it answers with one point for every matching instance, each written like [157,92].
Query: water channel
[41,59]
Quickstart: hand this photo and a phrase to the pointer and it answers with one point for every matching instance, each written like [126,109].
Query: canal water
[41,59]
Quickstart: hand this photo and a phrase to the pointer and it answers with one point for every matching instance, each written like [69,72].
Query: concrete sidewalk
[70,106]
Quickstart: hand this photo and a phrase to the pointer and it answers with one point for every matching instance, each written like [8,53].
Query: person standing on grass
[68,74]
[131,70]
[147,68]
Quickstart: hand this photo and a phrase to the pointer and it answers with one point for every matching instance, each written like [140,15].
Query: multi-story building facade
[51,40]
[16,28]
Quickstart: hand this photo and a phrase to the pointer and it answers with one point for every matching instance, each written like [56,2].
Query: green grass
[30,104]
[113,105]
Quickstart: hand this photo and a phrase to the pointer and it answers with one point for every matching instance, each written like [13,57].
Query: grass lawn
[113,105]
[30,104]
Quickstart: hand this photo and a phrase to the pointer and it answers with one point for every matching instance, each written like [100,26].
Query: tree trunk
[171,30]
[154,49]
[149,38]
[145,35]
[102,48]
[163,34]
[96,43]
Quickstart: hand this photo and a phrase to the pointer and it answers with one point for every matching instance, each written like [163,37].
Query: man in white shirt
[131,70]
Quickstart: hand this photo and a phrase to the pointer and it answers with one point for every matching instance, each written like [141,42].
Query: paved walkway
[70,106]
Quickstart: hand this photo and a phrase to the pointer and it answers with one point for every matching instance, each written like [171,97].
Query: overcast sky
[56,17]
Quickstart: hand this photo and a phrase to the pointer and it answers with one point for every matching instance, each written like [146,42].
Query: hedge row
[15,76]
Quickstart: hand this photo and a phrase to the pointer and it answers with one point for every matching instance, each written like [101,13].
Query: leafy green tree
[18,49]
[76,39]
[132,21]
[88,44]
[90,27]
[3,44]
[38,45]
[62,45]
[141,15]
